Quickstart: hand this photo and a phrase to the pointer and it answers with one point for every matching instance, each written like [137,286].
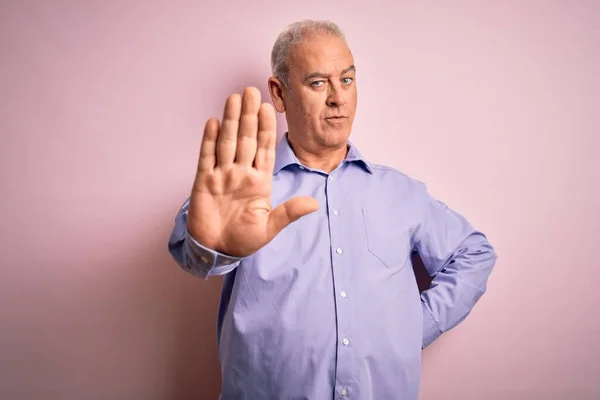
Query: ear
[276,90]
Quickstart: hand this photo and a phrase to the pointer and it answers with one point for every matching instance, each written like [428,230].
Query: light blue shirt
[330,308]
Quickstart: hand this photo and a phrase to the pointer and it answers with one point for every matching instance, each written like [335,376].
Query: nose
[336,97]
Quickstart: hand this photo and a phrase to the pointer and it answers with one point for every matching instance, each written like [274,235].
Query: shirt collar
[284,156]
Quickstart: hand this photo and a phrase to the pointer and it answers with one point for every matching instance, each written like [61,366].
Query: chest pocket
[385,239]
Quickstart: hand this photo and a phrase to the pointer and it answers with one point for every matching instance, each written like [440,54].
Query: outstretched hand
[230,206]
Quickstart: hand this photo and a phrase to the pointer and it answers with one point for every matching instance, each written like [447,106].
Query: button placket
[338,249]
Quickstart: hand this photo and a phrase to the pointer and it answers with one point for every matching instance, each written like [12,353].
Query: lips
[336,117]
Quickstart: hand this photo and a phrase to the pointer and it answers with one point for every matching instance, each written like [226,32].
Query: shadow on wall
[187,306]
[196,373]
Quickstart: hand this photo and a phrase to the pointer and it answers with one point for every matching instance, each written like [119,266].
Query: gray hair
[296,33]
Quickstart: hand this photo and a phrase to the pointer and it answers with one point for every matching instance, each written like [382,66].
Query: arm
[192,256]
[460,260]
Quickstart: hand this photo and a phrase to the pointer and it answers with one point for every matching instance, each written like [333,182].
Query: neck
[325,159]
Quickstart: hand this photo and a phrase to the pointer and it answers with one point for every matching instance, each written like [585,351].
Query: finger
[246,145]
[227,139]
[208,147]
[288,212]
[267,137]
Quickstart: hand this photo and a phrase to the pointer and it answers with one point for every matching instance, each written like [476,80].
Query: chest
[363,225]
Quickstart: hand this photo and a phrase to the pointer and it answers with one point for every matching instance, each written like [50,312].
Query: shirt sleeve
[460,260]
[194,257]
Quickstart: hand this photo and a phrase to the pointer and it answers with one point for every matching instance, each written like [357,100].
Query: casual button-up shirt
[330,308]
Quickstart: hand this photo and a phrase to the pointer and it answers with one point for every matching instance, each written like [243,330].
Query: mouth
[336,118]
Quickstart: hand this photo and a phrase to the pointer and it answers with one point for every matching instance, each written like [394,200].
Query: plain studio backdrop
[495,105]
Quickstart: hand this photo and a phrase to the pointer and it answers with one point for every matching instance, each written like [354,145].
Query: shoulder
[395,179]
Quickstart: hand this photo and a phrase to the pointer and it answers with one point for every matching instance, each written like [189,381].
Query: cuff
[431,331]
[204,262]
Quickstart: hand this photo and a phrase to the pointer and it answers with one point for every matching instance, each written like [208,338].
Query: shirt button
[346,342]
[335,212]
[330,177]
[343,294]
[343,392]
[301,167]
[338,250]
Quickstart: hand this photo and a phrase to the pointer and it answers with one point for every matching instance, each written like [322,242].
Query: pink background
[495,105]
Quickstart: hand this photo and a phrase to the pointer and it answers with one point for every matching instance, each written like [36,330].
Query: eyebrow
[324,75]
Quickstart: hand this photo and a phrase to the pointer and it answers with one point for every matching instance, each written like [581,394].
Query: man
[319,297]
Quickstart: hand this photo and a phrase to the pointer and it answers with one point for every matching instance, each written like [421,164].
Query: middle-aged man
[319,296]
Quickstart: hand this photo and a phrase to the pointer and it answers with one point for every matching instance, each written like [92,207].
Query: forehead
[320,53]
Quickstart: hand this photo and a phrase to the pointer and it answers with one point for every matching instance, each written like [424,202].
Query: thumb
[288,212]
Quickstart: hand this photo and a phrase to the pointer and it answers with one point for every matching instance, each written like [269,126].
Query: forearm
[457,287]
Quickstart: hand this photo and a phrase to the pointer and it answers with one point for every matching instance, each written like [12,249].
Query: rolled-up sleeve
[460,260]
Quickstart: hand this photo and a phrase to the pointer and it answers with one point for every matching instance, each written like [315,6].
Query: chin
[335,137]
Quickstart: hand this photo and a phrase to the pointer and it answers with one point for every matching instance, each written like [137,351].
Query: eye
[317,83]
[347,80]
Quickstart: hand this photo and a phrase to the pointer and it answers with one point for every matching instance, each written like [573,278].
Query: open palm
[230,206]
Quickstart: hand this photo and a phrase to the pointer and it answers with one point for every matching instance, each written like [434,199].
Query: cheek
[309,109]
[353,96]
[295,111]
[352,101]
[312,112]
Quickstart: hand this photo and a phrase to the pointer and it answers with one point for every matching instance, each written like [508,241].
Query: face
[320,102]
